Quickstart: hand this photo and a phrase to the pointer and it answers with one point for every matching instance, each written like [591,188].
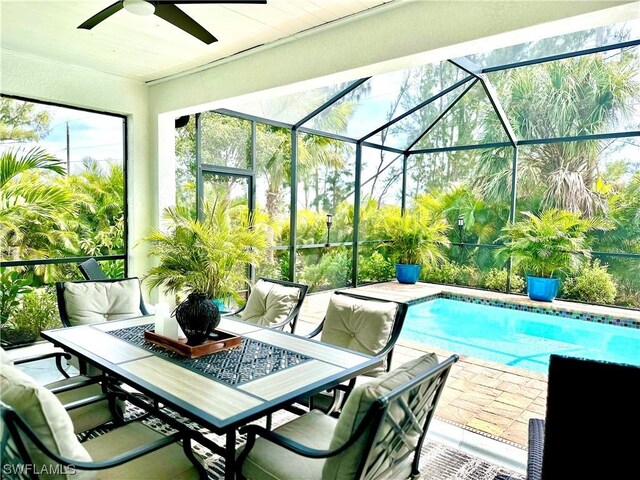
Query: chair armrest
[253,431]
[316,332]
[228,314]
[536,448]
[16,421]
[79,384]
[57,355]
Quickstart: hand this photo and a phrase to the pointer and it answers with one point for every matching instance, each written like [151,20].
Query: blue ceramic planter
[407,273]
[542,289]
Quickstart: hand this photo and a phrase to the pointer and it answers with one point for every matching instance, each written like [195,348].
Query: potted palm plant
[547,245]
[415,239]
[208,258]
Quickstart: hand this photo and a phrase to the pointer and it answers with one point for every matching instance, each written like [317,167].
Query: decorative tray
[223,341]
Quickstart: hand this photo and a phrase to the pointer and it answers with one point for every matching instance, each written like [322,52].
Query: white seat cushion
[5,359]
[361,325]
[44,414]
[269,303]
[95,302]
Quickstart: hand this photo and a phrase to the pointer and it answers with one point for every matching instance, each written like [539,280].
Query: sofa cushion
[361,325]
[95,302]
[269,303]
[45,415]
[358,404]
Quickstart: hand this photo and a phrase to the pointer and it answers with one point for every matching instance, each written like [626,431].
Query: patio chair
[95,301]
[75,391]
[364,324]
[378,435]
[591,411]
[38,439]
[273,304]
[91,270]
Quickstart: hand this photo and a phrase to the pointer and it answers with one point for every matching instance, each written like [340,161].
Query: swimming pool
[517,338]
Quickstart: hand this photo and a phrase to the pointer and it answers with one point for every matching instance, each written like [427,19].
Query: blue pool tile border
[556,312]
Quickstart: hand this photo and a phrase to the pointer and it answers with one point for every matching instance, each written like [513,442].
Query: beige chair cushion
[270,461]
[345,466]
[169,462]
[44,413]
[95,302]
[361,325]
[4,358]
[269,303]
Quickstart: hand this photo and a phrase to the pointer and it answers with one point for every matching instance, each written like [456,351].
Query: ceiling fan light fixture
[139,7]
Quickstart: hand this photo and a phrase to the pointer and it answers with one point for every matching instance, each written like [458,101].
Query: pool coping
[424,292]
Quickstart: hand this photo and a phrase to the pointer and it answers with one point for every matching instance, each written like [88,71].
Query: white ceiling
[148,48]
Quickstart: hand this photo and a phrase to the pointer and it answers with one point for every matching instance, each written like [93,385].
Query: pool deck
[489,398]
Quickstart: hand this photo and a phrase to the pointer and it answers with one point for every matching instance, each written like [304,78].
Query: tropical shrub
[452,273]
[416,236]
[375,267]
[496,279]
[208,256]
[333,270]
[37,311]
[592,284]
[549,244]
[12,286]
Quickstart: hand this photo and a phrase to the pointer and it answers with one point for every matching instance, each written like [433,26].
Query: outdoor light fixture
[139,7]
[460,227]
[329,223]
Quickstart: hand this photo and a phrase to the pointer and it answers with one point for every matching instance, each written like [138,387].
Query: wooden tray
[225,341]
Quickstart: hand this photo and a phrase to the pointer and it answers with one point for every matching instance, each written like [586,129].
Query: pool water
[517,338]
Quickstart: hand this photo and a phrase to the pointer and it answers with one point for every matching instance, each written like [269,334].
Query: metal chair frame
[374,419]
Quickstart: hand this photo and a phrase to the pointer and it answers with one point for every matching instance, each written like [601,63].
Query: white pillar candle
[170,327]
[162,311]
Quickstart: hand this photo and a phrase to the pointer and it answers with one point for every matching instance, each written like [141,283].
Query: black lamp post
[329,223]
[460,228]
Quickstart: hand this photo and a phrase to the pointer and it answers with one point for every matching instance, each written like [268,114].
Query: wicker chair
[91,270]
[378,435]
[591,408]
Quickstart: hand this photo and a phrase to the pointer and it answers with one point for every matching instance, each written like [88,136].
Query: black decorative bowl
[197,317]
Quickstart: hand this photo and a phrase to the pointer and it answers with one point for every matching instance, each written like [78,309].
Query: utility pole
[68,153]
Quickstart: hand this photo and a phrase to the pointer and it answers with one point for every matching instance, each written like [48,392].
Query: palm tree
[31,210]
[588,95]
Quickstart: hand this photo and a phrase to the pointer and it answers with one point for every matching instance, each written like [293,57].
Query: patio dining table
[220,391]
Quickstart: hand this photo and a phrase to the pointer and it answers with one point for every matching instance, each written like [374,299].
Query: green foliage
[452,273]
[23,121]
[591,284]
[333,270]
[374,267]
[549,244]
[37,311]
[416,236]
[12,286]
[208,256]
[496,279]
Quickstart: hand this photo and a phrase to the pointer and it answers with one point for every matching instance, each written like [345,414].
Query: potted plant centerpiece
[547,245]
[415,239]
[207,260]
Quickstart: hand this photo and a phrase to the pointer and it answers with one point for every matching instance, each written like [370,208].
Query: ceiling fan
[167,10]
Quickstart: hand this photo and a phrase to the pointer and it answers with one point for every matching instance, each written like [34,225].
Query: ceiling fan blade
[101,16]
[177,17]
